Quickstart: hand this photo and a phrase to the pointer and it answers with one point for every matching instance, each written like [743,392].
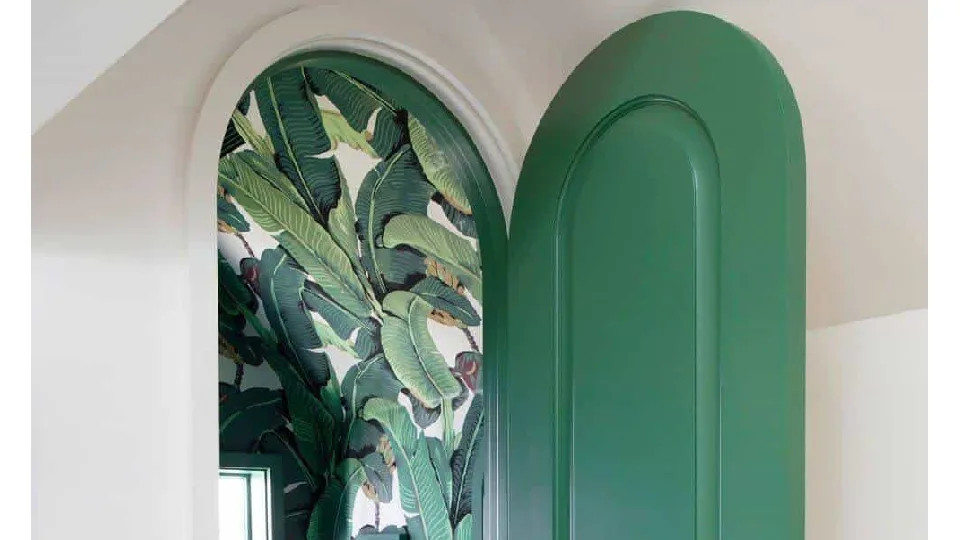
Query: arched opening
[678,64]
[361,259]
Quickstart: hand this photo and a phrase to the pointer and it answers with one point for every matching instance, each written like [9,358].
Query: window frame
[241,464]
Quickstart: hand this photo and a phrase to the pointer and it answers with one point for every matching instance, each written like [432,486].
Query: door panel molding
[681,122]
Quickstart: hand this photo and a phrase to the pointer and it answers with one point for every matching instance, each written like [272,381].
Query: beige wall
[111,451]
[867,429]
[74,42]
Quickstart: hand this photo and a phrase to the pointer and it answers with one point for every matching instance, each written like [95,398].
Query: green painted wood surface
[653,385]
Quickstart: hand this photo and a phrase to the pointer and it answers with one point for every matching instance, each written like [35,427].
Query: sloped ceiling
[862,96]
[75,41]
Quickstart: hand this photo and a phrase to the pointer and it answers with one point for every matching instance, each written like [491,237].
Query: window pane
[234,508]
[260,506]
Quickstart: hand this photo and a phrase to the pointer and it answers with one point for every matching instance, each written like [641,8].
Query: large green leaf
[362,335]
[314,424]
[401,267]
[314,427]
[245,415]
[464,530]
[343,228]
[332,517]
[431,238]
[389,131]
[340,131]
[281,287]
[342,320]
[379,484]
[426,417]
[292,118]
[245,129]
[237,346]
[330,396]
[343,225]
[229,218]
[330,337]
[463,222]
[367,344]
[231,139]
[305,239]
[300,493]
[437,167]
[441,463]
[411,352]
[268,172]
[238,306]
[396,185]
[357,102]
[421,495]
[368,379]
[303,369]
[234,296]
[450,307]
[464,462]
[282,442]
[369,444]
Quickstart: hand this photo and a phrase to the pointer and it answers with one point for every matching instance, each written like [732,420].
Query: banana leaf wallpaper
[350,320]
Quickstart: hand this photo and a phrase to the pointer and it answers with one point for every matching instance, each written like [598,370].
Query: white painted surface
[119,447]
[110,454]
[867,429]
[74,41]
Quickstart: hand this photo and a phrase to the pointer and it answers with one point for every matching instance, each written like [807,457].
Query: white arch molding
[395,35]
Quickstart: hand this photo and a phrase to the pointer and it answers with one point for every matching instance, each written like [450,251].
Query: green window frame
[266,470]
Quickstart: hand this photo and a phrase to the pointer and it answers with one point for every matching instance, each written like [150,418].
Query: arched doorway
[353,214]
[731,167]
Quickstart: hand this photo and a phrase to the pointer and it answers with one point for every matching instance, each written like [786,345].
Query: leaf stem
[246,246]
[473,342]
[238,377]
[448,432]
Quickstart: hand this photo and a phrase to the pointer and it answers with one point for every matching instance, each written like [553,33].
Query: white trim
[430,45]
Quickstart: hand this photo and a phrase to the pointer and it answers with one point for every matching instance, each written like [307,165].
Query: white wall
[111,439]
[74,41]
[867,429]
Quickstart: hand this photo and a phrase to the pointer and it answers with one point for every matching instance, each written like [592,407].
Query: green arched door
[653,387]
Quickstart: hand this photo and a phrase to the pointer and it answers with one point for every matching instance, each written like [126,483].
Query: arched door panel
[653,385]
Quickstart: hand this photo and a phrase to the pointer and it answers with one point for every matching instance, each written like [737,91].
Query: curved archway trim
[440,100]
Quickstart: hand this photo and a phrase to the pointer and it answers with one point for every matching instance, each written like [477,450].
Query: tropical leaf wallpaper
[350,320]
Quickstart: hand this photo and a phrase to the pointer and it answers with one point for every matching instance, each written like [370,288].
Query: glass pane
[260,506]
[234,508]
